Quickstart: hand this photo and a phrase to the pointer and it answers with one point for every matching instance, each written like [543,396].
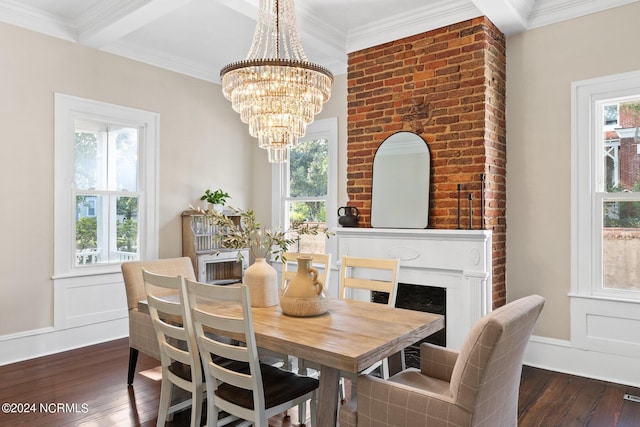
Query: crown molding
[547,12]
[34,19]
[510,16]
[438,14]
[104,25]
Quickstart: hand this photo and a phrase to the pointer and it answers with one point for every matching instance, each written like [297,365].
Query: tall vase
[262,280]
[304,295]
[305,283]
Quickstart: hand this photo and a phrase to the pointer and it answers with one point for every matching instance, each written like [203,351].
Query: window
[305,187]
[606,187]
[610,114]
[105,185]
[612,162]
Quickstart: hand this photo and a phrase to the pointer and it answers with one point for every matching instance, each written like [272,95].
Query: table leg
[396,363]
[328,397]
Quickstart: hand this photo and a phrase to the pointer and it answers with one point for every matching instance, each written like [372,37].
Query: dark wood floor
[87,387]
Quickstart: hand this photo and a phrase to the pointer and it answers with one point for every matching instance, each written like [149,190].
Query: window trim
[586,169]
[327,128]
[66,107]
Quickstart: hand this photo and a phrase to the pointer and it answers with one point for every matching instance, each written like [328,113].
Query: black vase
[348,216]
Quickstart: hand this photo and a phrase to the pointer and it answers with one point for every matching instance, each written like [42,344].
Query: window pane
[127,229]
[621,245]
[89,241]
[620,147]
[610,113]
[85,162]
[611,162]
[311,213]
[308,168]
[124,143]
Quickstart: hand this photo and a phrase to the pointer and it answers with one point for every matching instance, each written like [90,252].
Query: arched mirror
[400,189]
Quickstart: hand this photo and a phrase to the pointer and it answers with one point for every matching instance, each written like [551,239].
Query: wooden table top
[351,336]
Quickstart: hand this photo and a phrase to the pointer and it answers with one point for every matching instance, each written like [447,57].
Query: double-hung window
[607,188]
[105,205]
[605,214]
[305,187]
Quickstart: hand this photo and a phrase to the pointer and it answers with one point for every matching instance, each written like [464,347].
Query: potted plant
[217,198]
[260,277]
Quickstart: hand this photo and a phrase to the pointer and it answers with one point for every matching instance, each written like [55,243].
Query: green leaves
[217,197]
[250,234]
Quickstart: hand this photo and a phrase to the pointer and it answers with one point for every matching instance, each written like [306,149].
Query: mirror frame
[401,182]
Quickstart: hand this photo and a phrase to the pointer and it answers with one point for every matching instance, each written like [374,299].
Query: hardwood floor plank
[97,375]
[609,406]
[630,412]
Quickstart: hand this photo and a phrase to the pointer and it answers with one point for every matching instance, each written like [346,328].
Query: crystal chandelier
[276,90]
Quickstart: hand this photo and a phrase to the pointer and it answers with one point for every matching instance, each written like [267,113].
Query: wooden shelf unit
[212,263]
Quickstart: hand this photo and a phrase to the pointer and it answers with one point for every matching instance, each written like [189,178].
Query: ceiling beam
[107,22]
[510,16]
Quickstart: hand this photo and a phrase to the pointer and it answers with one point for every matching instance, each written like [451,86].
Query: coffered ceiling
[199,37]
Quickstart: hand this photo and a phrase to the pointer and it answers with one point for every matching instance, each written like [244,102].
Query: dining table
[351,336]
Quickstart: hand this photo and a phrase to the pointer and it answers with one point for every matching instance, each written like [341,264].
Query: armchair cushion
[484,378]
[437,362]
[392,403]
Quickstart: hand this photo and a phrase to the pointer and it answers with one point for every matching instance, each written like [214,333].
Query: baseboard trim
[46,341]
[559,355]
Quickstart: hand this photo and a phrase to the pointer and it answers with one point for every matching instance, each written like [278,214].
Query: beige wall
[202,144]
[541,64]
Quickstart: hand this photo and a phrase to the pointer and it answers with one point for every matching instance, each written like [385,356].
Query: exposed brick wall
[448,86]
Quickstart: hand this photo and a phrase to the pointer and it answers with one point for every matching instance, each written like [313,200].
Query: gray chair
[142,336]
[477,386]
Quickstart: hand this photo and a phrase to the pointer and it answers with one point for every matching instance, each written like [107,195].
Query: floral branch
[250,234]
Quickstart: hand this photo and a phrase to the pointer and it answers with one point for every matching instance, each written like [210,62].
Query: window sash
[67,110]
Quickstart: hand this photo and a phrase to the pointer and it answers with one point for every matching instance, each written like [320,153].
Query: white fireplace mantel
[458,260]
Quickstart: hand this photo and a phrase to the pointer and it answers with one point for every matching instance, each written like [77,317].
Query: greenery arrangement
[252,235]
[217,197]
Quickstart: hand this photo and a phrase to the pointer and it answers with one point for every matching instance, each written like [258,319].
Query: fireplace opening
[430,299]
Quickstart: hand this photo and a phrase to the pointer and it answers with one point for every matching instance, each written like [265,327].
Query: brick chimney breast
[448,86]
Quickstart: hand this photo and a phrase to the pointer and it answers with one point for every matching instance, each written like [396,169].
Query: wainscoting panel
[561,356]
[80,301]
[605,325]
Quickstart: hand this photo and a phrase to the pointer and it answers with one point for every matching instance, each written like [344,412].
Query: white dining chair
[359,278]
[178,349]
[236,381]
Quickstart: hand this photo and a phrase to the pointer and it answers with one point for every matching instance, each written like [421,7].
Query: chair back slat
[322,262]
[371,274]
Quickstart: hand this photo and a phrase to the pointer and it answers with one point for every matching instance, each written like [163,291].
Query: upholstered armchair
[142,337]
[477,386]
